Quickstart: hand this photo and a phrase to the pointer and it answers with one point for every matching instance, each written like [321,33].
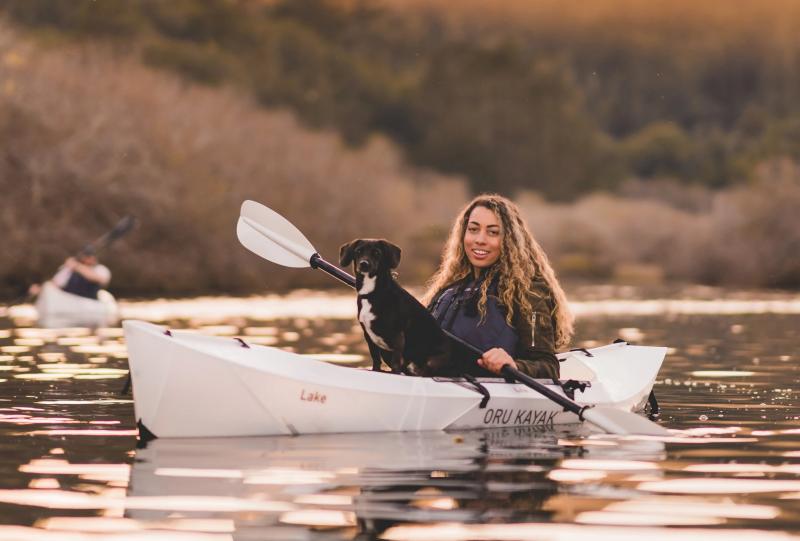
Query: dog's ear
[347,252]
[391,254]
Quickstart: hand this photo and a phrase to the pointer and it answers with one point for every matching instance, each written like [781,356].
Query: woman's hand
[495,359]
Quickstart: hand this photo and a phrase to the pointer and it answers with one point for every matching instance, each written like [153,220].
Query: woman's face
[483,238]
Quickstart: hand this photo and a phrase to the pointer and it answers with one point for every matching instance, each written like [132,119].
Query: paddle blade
[616,421]
[122,227]
[271,236]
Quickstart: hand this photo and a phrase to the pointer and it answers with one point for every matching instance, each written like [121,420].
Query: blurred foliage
[697,132]
[200,63]
[541,96]
[661,150]
[81,18]
[88,135]
[740,236]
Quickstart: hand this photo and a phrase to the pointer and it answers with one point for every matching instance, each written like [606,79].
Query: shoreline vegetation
[92,129]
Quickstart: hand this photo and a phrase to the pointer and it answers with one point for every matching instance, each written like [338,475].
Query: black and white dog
[396,325]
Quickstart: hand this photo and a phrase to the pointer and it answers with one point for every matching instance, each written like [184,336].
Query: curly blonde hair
[521,260]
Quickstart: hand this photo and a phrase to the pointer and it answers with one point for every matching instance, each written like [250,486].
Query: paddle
[269,235]
[122,227]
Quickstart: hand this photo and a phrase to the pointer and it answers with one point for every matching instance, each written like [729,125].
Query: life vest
[457,312]
[78,285]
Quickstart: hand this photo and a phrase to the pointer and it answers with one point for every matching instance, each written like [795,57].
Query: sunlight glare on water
[730,467]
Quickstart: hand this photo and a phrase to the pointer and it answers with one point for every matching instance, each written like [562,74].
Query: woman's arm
[98,275]
[536,354]
[495,359]
[535,363]
[535,343]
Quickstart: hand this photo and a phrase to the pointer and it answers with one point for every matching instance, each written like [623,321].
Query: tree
[508,120]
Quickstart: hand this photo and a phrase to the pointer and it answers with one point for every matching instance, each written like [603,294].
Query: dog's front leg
[375,353]
[398,363]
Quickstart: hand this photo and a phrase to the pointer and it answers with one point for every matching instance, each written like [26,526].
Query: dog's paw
[411,370]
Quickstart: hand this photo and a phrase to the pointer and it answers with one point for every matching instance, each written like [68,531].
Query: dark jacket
[530,342]
[82,286]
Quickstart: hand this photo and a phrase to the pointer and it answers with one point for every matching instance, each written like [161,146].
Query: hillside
[88,135]
[513,95]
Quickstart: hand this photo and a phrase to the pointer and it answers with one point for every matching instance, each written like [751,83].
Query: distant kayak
[57,308]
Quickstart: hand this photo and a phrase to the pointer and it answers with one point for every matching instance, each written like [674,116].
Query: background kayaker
[82,275]
[495,288]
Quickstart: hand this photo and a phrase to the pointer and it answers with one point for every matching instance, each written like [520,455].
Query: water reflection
[729,387]
[564,532]
[372,482]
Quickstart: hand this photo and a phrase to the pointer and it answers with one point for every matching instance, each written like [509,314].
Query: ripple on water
[730,468]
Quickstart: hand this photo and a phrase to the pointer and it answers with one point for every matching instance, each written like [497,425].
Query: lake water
[731,470]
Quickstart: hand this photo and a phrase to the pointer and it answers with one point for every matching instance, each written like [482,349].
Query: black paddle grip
[317,262]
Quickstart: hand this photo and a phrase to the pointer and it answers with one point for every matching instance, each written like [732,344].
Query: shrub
[201,63]
[88,137]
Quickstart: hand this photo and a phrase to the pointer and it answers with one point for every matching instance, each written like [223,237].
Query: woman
[496,290]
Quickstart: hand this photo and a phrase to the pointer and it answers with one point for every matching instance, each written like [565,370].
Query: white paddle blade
[616,421]
[271,236]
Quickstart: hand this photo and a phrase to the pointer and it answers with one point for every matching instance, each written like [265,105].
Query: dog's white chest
[366,317]
[367,285]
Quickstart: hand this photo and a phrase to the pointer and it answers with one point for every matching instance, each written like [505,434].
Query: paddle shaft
[122,227]
[317,262]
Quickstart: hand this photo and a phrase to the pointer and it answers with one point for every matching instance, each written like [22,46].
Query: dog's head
[370,256]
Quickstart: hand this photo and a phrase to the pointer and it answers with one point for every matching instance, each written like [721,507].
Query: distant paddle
[271,236]
[121,229]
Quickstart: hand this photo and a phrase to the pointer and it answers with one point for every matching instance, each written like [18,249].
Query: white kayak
[191,385]
[57,308]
